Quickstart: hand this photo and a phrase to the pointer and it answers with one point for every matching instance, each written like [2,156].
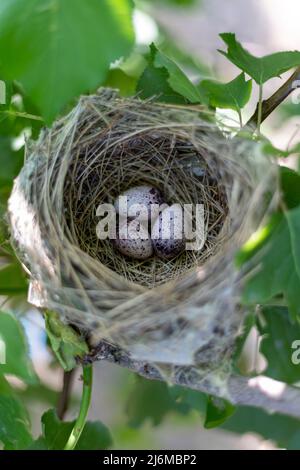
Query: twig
[64,397]
[269,105]
[240,390]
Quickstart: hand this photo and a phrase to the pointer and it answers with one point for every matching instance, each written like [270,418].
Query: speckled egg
[168,232]
[144,195]
[134,240]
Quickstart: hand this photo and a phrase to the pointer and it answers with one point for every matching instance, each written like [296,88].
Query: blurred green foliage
[55,62]
[278,336]
[15,423]
[95,435]
[153,401]
[63,49]
[282,430]
[164,79]
[233,95]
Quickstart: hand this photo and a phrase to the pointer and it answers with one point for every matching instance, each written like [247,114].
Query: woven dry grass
[112,160]
[183,311]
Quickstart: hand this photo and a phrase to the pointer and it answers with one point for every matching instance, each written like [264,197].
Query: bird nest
[182,311]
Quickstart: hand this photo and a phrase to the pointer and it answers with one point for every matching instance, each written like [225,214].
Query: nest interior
[110,158]
[182,311]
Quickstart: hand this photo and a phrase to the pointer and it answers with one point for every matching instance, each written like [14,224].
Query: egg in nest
[168,232]
[138,201]
[133,240]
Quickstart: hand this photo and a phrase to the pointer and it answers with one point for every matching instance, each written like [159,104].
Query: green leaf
[189,400]
[60,49]
[12,279]
[279,333]
[65,342]
[16,360]
[95,436]
[276,262]
[293,220]
[180,56]
[217,412]
[55,432]
[233,95]
[283,430]
[154,82]
[261,69]
[14,422]
[213,411]
[10,161]
[151,401]
[38,444]
[162,77]
[290,185]
[269,149]
[121,81]
[177,79]
[288,110]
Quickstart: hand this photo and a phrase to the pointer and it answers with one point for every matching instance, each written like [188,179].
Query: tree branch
[240,389]
[269,105]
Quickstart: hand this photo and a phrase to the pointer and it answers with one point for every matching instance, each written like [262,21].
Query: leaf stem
[260,108]
[240,117]
[23,115]
[84,407]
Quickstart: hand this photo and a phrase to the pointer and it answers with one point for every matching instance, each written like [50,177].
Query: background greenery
[52,51]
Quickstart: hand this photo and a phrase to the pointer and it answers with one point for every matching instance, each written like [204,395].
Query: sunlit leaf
[282,430]
[217,412]
[278,335]
[14,421]
[60,49]
[151,401]
[277,261]
[164,79]
[233,95]
[15,360]
[12,279]
[261,69]
[65,342]
[95,435]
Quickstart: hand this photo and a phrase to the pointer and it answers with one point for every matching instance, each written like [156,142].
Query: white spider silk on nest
[192,320]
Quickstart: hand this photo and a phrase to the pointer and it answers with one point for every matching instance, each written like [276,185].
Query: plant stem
[84,407]
[64,397]
[23,115]
[269,105]
[260,108]
[240,118]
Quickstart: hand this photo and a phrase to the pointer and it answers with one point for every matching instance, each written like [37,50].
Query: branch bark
[240,390]
[269,105]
